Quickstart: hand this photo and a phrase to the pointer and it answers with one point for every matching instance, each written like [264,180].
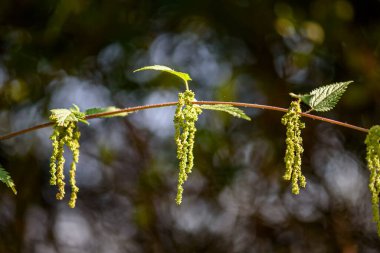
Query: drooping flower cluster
[65,134]
[373,161]
[184,122]
[294,147]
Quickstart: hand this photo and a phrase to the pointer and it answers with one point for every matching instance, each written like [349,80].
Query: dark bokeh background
[56,53]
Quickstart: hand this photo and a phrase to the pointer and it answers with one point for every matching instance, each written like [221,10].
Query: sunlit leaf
[106,109]
[6,179]
[325,98]
[184,76]
[234,111]
[63,116]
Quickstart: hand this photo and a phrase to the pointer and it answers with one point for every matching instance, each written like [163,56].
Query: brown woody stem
[144,107]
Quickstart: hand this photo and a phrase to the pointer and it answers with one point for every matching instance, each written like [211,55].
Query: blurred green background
[56,53]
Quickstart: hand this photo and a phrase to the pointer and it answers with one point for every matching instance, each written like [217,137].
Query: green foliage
[66,132]
[324,98]
[184,122]
[294,147]
[6,179]
[105,109]
[372,142]
[184,76]
[62,117]
[186,115]
[234,111]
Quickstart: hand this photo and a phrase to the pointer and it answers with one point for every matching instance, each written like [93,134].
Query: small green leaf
[62,116]
[80,116]
[184,76]
[234,111]
[6,179]
[326,97]
[106,109]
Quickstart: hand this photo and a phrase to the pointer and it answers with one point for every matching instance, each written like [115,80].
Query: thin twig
[144,107]
[275,108]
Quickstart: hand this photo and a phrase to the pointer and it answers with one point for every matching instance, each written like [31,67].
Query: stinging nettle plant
[66,133]
[185,117]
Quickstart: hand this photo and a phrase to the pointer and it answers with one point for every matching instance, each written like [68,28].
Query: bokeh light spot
[344,10]
[314,32]
[284,27]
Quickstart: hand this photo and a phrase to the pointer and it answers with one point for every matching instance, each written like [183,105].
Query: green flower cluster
[373,160]
[184,122]
[294,147]
[67,134]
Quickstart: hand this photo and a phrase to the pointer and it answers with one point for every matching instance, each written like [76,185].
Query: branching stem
[144,107]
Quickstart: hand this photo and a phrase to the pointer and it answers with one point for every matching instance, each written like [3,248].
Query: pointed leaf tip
[6,179]
[326,97]
[184,76]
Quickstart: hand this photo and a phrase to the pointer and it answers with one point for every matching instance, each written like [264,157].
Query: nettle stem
[145,107]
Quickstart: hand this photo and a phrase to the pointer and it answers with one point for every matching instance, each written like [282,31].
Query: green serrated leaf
[62,116]
[6,179]
[184,76]
[234,111]
[106,109]
[326,97]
